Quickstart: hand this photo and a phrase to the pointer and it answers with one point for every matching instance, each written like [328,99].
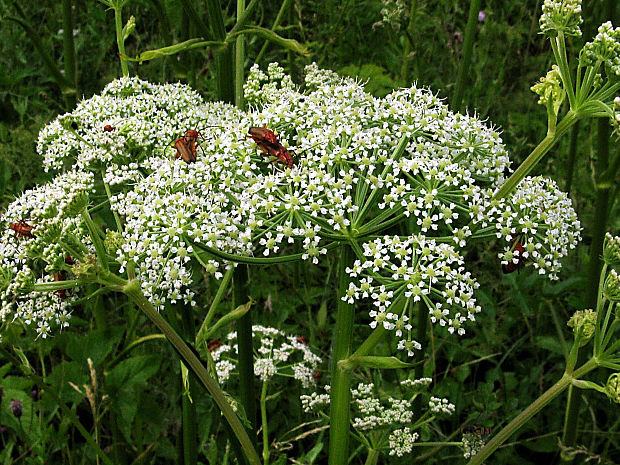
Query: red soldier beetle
[213,344]
[511,266]
[22,229]
[268,142]
[60,276]
[186,146]
[303,340]
[108,128]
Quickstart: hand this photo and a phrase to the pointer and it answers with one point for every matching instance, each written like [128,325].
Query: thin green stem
[340,395]
[120,41]
[468,47]
[529,412]
[537,154]
[206,324]
[371,341]
[95,237]
[108,192]
[133,290]
[283,9]
[264,423]
[245,348]
[68,46]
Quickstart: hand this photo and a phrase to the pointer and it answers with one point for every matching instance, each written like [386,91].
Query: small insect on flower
[108,128]
[511,266]
[268,142]
[60,276]
[303,340]
[22,229]
[213,344]
[316,375]
[186,146]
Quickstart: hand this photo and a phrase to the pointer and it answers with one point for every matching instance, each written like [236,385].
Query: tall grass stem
[468,47]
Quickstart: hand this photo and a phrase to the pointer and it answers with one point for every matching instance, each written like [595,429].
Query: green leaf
[373,361]
[174,49]
[268,34]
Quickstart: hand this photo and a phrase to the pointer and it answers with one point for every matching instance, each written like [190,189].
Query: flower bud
[605,48]
[561,16]
[16,408]
[611,288]
[611,250]
[129,27]
[34,394]
[612,388]
[583,323]
[549,88]
[113,241]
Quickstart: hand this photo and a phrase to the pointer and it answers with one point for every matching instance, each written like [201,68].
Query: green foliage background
[490,375]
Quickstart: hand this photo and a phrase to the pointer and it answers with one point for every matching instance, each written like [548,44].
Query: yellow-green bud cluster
[612,388]
[561,16]
[113,241]
[549,88]
[583,323]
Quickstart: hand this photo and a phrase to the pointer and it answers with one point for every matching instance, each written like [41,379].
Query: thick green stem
[373,457]
[245,347]
[190,431]
[264,423]
[572,155]
[340,395]
[537,154]
[134,292]
[422,316]
[468,47]
[598,228]
[529,412]
[239,60]
[69,53]
[120,41]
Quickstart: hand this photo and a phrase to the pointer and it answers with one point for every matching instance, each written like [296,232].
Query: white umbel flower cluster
[372,413]
[49,214]
[347,168]
[276,354]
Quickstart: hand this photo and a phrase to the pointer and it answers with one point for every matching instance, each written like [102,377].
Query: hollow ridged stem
[468,47]
[340,394]
[245,347]
[599,222]
[264,423]
[68,46]
[572,155]
[529,412]
[120,41]
[422,317]
[134,292]
[190,430]
[373,457]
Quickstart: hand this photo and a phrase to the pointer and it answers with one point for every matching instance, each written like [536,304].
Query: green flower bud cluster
[611,250]
[583,323]
[612,388]
[549,88]
[113,241]
[611,288]
[561,16]
[604,48]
